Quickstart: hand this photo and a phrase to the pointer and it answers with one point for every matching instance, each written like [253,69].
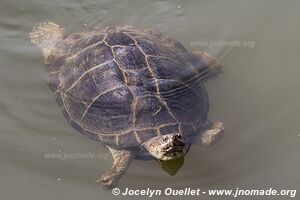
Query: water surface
[257,97]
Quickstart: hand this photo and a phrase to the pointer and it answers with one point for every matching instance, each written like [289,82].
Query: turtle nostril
[176,137]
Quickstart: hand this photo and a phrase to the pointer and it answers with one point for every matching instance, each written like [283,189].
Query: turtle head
[166,147]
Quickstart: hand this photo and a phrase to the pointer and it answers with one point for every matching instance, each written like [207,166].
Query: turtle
[138,91]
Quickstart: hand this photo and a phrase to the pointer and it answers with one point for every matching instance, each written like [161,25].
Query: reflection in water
[172,166]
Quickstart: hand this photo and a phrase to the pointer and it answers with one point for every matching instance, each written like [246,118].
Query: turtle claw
[109,179]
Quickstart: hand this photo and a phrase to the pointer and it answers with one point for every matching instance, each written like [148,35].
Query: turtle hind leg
[45,36]
[213,130]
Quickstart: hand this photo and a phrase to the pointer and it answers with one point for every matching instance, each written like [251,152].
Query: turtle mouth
[174,150]
[174,153]
[176,146]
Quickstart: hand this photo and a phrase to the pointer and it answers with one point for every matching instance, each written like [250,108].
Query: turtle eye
[164,138]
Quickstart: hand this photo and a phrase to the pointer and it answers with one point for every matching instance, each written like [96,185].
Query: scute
[146,134]
[130,57]
[127,139]
[111,112]
[165,68]
[137,78]
[75,107]
[171,128]
[150,112]
[153,48]
[77,65]
[187,104]
[111,76]
[84,90]
[84,41]
[118,38]
[61,101]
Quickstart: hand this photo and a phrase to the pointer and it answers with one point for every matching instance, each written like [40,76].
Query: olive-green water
[257,97]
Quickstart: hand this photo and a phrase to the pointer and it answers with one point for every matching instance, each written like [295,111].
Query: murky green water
[257,97]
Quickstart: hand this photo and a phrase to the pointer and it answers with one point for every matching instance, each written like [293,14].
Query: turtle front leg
[207,66]
[213,130]
[122,160]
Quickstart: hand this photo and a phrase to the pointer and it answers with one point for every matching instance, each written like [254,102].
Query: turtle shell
[124,85]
